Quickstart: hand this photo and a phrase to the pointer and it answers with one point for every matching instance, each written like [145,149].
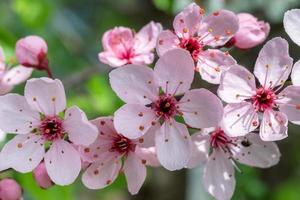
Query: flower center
[192,45]
[51,128]
[219,139]
[263,99]
[165,106]
[122,145]
[128,54]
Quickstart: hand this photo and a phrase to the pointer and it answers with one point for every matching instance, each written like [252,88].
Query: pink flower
[41,176]
[35,118]
[10,190]
[195,33]
[122,46]
[219,153]
[291,22]
[31,51]
[108,151]
[248,102]
[251,31]
[9,77]
[147,106]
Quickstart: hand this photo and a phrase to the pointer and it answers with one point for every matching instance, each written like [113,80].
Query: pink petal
[4,88]
[141,59]
[290,103]
[237,84]
[252,151]
[212,63]
[296,73]
[201,147]
[173,145]
[16,116]
[169,71]
[201,108]
[187,22]
[101,174]
[147,156]
[118,40]
[147,140]
[23,153]
[239,119]
[218,176]
[291,22]
[166,41]
[17,75]
[219,27]
[134,84]
[134,120]
[46,95]
[78,127]
[273,126]
[62,162]
[273,65]
[29,50]
[251,31]
[146,38]
[111,59]
[135,173]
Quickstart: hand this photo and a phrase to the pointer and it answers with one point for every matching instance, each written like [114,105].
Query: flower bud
[10,190]
[251,31]
[31,51]
[41,176]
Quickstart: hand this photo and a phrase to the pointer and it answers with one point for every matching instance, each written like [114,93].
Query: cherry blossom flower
[219,153]
[195,33]
[9,77]
[10,190]
[108,151]
[155,97]
[250,103]
[291,22]
[31,51]
[123,46]
[36,119]
[251,31]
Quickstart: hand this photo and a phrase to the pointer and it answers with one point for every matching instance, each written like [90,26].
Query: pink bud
[31,51]
[251,31]
[41,176]
[10,190]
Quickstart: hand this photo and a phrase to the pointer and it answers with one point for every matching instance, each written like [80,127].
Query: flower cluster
[165,120]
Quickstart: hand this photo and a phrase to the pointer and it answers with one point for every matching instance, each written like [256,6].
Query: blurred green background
[73,30]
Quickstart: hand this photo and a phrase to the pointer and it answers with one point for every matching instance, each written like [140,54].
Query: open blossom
[9,77]
[156,97]
[10,190]
[108,151]
[31,51]
[251,31]
[219,152]
[36,119]
[123,46]
[267,102]
[195,33]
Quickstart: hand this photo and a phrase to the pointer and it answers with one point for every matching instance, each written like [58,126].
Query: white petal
[135,172]
[78,127]
[23,153]
[291,23]
[63,163]
[17,75]
[273,65]
[218,177]
[173,145]
[252,151]
[45,95]
[175,71]
[16,116]
[296,73]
